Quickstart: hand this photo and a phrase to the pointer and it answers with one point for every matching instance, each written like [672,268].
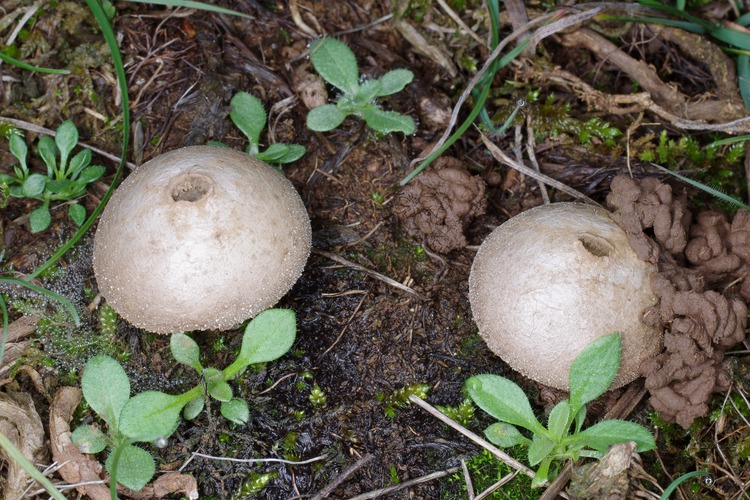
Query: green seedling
[107,389]
[66,178]
[336,63]
[463,413]
[250,117]
[591,374]
[317,397]
[153,415]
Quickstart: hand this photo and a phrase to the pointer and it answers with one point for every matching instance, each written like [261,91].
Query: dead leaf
[21,424]
[76,467]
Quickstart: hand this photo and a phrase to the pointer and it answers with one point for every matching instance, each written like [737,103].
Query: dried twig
[385,279]
[330,487]
[501,455]
[406,484]
[505,159]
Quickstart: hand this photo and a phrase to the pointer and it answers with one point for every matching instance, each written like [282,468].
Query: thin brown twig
[501,455]
[503,158]
[385,279]
[336,482]
[406,484]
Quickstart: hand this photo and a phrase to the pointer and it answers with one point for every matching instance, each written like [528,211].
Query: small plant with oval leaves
[250,117]
[591,374]
[152,416]
[66,178]
[336,63]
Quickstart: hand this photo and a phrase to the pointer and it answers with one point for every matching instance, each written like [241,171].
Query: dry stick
[504,480]
[467,480]
[41,130]
[374,274]
[501,455]
[452,14]
[406,484]
[330,487]
[530,147]
[503,158]
[346,326]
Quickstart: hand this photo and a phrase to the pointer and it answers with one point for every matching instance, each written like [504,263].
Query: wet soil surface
[360,339]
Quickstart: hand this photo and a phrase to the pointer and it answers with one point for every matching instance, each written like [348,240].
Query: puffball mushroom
[200,238]
[551,280]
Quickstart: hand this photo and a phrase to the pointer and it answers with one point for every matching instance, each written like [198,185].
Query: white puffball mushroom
[200,238]
[551,280]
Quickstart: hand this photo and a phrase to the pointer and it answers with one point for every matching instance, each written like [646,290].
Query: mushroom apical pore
[200,238]
[553,279]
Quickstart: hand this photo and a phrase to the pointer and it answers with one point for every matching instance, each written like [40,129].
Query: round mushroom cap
[200,238]
[551,280]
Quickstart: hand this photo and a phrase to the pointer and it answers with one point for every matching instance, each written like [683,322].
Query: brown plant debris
[437,205]
[20,423]
[694,261]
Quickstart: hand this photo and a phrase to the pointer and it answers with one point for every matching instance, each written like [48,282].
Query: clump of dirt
[694,259]
[439,204]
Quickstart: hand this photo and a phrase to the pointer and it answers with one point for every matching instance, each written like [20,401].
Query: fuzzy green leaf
[90,174]
[336,63]
[267,337]
[593,370]
[135,467]
[504,400]
[324,118]
[150,415]
[559,420]
[217,387]
[19,149]
[186,351]
[281,153]
[394,81]
[236,410]
[539,449]
[608,432]
[368,91]
[66,138]
[77,213]
[78,163]
[505,435]
[193,408]
[386,122]
[34,185]
[248,115]
[89,439]
[40,219]
[48,151]
[106,388]
[542,473]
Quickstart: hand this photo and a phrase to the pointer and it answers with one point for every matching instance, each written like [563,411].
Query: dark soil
[360,339]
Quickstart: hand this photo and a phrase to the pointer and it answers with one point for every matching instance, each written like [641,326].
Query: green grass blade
[708,189]
[743,77]
[5,328]
[16,455]
[29,67]
[109,37]
[673,486]
[189,4]
[59,298]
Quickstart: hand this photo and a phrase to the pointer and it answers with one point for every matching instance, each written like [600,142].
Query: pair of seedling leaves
[152,416]
[591,374]
[65,179]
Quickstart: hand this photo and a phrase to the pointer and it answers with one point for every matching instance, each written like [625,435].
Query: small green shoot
[336,63]
[317,397]
[400,397]
[591,374]
[107,389]
[250,117]
[152,414]
[66,178]
[463,413]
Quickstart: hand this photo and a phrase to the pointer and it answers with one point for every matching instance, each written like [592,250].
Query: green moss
[485,470]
